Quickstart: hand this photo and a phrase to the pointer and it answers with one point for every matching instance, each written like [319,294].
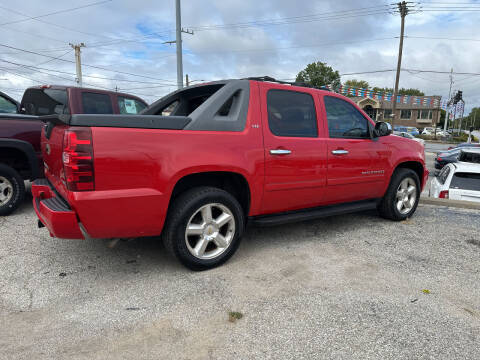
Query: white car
[457,181]
[409,136]
[427,131]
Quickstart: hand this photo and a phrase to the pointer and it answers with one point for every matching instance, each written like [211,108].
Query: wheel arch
[12,149]
[233,182]
[416,166]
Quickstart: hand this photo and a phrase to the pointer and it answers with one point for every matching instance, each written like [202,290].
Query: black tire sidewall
[18,189]
[186,208]
[400,176]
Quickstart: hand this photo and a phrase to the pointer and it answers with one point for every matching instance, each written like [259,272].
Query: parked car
[466,144]
[428,131]
[20,155]
[446,157]
[457,181]
[470,155]
[400,128]
[409,136]
[229,151]
[412,131]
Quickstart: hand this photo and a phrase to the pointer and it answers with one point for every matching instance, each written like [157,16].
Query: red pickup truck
[20,127]
[200,162]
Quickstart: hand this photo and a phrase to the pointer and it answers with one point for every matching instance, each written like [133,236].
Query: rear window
[130,106]
[466,181]
[7,106]
[442,176]
[95,103]
[185,102]
[45,102]
[469,157]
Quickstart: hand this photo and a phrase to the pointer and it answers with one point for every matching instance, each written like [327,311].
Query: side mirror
[382,129]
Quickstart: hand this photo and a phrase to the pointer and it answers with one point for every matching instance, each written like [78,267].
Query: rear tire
[203,227]
[402,196]
[12,189]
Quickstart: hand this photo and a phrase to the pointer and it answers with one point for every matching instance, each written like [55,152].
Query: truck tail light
[439,158]
[443,194]
[77,159]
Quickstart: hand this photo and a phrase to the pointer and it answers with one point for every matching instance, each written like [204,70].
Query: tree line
[320,74]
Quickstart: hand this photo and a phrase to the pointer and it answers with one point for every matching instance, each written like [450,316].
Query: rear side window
[291,113]
[94,103]
[442,176]
[45,102]
[469,157]
[344,120]
[130,106]
[466,181]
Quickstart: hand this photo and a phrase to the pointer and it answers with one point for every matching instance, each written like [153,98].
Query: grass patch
[234,316]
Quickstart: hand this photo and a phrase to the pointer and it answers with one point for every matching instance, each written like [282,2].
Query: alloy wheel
[6,190]
[210,231]
[406,196]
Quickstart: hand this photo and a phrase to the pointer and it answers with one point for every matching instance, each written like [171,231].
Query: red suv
[199,163]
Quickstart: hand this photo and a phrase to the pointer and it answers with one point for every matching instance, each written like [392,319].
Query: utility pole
[187,83]
[449,99]
[178,42]
[78,61]
[403,9]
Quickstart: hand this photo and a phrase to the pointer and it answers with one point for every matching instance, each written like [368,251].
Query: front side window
[466,181]
[7,106]
[291,113]
[95,103]
[344,120]
[130,106]
[405,114]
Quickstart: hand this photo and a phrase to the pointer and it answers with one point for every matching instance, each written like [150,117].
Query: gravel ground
[350,287]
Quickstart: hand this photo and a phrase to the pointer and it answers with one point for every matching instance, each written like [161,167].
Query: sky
[126,50]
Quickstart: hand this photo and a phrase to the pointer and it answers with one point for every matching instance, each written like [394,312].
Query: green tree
[382,90]
[361,84]
[319,74]
[411,91]
[473,119]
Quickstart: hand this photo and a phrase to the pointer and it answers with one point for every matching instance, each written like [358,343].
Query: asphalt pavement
[351,287]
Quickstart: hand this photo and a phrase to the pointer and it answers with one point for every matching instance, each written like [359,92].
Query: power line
[86,65]
[440,38]
[69,73]
[367,72]
[49,14]
[56,58]
[295,19]
[442,72]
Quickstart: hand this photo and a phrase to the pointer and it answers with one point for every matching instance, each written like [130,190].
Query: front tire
[204,227]
[402,196]
[12,189]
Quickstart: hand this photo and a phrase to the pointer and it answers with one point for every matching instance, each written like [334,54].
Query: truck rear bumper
[54,212]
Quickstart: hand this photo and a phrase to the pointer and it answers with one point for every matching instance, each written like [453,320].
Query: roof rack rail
[295,83]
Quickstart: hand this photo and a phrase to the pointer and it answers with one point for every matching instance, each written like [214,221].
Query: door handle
[280,152]
[339,152]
